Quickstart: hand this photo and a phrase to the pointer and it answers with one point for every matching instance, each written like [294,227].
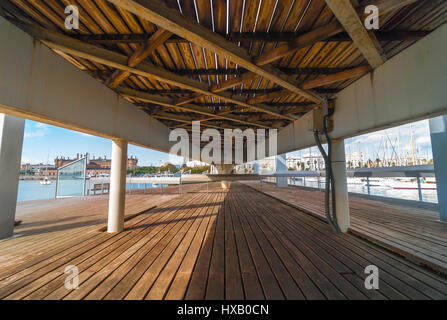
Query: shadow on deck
[413,233]
[240,244]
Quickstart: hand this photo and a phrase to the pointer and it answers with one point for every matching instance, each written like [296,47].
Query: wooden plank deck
[50,224]
[240,244]
[414,233]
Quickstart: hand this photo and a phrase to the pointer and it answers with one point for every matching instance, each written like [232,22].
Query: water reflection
[383,191]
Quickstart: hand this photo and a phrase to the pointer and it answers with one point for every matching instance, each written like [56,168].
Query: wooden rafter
[243,92]
[310,38]
[116,60]
[111,39]
[388,35]
[349,19]
[158,13]
[337,77]
[167,102]
[179,118]
[319,82]
[127,34]
[139,55]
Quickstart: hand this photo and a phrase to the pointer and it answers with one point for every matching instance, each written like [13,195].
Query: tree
[349,164]
[197,170]
[143,170]
[169,167]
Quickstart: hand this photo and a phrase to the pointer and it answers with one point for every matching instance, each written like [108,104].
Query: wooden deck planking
[239,244]
[47,225]
[414,233]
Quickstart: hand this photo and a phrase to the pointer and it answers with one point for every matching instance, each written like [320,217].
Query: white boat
[410,184]
[356,181]
[45,181]
[373,182]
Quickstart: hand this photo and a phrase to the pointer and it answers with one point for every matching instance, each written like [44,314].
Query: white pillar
[281,168]
[117,195]
[256,167]
[11,141]
[438,134]
[341,185]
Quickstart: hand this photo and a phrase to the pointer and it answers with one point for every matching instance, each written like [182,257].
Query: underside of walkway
[239,244]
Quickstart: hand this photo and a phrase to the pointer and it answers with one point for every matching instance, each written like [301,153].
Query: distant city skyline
[385,143]
[42,143]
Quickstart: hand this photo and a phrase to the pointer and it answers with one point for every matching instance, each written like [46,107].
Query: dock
[414,233]
[215,244]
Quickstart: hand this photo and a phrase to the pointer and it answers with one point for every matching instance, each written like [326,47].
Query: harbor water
[375,190]
[33,190]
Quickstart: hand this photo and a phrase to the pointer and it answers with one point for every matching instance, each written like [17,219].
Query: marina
[316,130]
[378,187]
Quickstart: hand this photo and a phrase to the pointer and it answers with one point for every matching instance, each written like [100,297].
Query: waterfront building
[95,165]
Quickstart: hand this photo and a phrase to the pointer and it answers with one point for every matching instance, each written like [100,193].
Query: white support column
[281,168]
[341,185]
[11,140]
[256,167]
[117,195]
[438,133]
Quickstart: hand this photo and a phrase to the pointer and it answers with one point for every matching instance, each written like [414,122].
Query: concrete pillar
[225,169]
[117,195]
[281,167]
[438,133]
[256,167]
[341,184]
[11,141]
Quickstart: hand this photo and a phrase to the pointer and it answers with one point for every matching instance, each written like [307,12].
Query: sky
[380,144]
[44,142]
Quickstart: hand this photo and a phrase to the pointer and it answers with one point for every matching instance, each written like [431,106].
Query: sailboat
[411,183]
[45,181]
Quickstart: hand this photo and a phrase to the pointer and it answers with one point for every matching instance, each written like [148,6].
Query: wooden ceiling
[294,54]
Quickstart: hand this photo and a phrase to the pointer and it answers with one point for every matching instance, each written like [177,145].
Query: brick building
[96,165]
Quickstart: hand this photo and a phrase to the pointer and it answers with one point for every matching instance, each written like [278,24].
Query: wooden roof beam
[179,118]
[324,33]
[349,19]
[167,102]
[158,13]
[157,39]
[116,60]
[112,39]
[315,83]
[337,77]
[269,96]
[222,86]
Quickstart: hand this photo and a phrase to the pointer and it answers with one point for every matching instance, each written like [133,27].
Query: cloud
[26,160]
[175,159]
[423,140]
[41,125]
[85,134]
[39,130]
[34,134]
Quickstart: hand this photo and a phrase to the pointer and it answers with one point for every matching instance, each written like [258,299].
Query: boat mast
[413,158]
